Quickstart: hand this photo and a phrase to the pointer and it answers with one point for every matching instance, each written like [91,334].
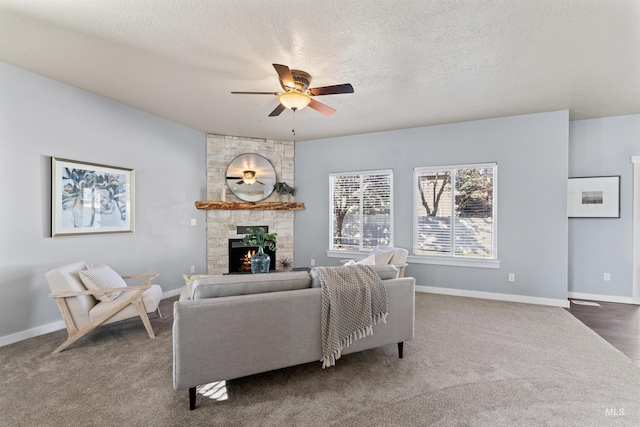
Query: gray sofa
[227,327]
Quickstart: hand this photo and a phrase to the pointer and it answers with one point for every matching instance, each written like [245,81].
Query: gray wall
[602,147]
[531,152]
[40,118]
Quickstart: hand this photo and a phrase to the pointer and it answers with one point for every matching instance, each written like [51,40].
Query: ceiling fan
[248,177]
[297,93]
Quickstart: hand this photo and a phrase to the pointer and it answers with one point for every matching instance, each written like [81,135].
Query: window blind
[454,211]
[361,210]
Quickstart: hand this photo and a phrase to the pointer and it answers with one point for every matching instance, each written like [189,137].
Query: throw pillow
[102,278]
[382,256]
[190,278]
[370,260]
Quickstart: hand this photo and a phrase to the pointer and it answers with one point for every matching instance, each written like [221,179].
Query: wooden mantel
[250,206]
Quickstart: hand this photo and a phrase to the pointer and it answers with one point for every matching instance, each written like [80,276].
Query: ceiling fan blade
[285,75]
[332,90]
[240,182]
[234,177]
[319,106]
[255,93]
[279,109]
[260,182]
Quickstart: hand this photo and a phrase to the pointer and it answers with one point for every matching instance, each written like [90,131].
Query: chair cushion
[101,278]
[150,298]
[244,284]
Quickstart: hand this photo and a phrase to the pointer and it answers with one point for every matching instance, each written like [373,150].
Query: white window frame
[451,258]
[345,253]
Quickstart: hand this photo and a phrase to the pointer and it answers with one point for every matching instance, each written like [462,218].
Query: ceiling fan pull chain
[293,125]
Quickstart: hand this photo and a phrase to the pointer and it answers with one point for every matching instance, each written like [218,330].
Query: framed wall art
[594,197]
[90,198]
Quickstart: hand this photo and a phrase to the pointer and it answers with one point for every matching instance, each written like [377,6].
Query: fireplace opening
[240,257]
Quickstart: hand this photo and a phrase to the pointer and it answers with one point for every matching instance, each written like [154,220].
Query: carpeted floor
[473,363]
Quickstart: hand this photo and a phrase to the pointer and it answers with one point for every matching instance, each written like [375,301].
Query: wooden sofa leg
[400,348]
[192,398]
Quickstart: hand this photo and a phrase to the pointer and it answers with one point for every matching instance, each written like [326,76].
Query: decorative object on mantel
[249,206]
[260,261]
[594,197]
[285,264]
[251,177]
[89,198]
[284,190]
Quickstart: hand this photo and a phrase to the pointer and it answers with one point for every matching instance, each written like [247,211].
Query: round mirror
[251,177]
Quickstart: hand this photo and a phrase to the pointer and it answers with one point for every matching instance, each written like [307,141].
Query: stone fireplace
[222,225]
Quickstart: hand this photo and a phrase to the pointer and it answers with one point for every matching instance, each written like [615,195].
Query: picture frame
[90,198]
[593,197]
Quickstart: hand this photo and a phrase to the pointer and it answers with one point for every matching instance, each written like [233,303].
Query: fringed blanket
[353,300]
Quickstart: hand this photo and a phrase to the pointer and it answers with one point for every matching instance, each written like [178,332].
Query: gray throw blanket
[353,300]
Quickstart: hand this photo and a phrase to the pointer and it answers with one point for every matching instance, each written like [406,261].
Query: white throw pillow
[101,278]
[370,260]
[382,256]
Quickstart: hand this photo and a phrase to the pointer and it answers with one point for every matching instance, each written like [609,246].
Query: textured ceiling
[412,62]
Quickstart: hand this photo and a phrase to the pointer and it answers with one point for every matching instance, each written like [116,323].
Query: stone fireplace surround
[222,224]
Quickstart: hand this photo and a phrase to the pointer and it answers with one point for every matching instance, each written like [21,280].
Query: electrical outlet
[512,277]
[607,277]
[194,221]
[193,268]
[313,262]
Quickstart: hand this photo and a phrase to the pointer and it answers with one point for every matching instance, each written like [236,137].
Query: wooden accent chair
[82,311]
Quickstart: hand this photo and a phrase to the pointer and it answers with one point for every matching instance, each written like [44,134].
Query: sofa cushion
[245,284]
[102,277]
[386,272]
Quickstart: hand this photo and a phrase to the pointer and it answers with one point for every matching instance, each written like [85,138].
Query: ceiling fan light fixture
[294,100]
[249,177]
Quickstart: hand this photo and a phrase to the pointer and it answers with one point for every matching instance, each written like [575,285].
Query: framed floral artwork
[90,198]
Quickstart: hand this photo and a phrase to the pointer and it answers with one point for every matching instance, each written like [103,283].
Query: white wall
[531,152]
[40,118]
[603,147]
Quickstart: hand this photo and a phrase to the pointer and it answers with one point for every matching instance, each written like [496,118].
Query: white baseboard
[171,293]
[30,333]
[494,296]
[603,298]
[56,326]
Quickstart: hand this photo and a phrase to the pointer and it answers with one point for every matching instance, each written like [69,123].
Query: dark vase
[260,261]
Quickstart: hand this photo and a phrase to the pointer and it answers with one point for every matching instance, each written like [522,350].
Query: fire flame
[246,260]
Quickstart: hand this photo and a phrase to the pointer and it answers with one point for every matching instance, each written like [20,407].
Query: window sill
[348,254]
[454,261]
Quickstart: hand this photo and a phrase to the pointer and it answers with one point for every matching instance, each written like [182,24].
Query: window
[455,211]
[361,210]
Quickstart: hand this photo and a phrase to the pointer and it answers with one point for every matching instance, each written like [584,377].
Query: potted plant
[284,189]
[260,261]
